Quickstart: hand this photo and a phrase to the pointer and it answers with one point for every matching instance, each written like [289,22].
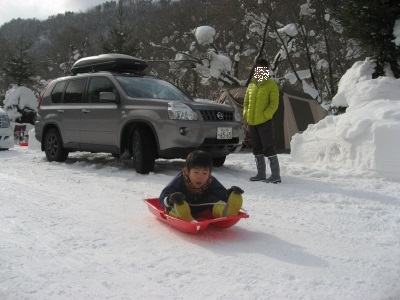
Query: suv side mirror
[107,97]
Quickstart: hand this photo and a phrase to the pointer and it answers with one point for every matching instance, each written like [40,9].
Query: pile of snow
[290,30]
[204,35]
[219,64]
[33,143]
[21,97]
[214,66]
[360,71]
[303,74]
[365,138]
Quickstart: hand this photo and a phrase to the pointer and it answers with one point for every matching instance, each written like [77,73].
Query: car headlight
[181,111]
[238,116]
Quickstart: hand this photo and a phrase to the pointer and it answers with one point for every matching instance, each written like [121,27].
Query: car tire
[53,146]
[218,161]
[143,151]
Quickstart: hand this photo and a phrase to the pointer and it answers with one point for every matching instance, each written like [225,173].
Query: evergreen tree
[20,67]
[372,22]
[19,70]
[120,37]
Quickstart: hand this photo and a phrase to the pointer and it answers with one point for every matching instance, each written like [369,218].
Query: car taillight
[40,100]
[42,94]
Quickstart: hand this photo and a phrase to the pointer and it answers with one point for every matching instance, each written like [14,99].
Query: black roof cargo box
[109,62]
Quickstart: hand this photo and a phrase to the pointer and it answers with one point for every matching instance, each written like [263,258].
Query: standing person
[260,104]
[195,192]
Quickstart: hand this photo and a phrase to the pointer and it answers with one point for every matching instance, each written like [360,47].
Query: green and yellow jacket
[261,101]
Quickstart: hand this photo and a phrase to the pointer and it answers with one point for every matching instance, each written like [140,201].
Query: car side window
[74,91]
[57,92]
[98,85]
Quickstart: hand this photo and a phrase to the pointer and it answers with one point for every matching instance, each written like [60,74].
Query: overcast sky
[41,9]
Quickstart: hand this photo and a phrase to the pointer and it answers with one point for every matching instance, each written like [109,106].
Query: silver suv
[123,112]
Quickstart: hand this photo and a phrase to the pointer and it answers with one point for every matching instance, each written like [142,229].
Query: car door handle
[86,110]
[60,111]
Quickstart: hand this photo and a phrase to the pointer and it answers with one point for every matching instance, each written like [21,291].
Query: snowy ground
[80,230]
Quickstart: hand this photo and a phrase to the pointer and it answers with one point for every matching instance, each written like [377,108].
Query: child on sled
[194,192]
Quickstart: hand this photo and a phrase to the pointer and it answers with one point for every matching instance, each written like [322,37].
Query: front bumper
[188,136]
[6,138]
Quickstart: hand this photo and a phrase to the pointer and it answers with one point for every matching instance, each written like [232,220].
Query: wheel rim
[52,145]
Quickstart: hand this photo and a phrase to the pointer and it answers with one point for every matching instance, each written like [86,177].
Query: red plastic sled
[195,226]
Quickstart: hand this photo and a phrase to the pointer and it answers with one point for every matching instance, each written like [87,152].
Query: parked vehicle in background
[110,106]
[6,132]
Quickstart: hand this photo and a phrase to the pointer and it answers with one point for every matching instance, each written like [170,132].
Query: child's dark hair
[198,159]
[262,62]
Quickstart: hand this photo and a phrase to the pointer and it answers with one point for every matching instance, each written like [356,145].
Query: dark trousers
[262,139]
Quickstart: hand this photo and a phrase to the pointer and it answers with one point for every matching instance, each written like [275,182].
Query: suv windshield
[146,87]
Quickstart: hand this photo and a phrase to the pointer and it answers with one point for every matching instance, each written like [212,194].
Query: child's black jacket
[198,202]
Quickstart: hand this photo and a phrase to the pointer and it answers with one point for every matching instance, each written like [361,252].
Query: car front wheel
[218,161]
[53,146]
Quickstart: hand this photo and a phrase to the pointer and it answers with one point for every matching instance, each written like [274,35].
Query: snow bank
[360,71]
[365,138]
[33,143]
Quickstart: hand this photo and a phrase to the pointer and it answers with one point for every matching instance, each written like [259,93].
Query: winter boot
[230,208]
[275,170]
[181,211]
[261,168]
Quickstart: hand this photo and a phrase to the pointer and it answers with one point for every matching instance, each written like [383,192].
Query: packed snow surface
[80,230]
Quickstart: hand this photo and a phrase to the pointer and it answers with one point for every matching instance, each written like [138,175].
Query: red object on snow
[195,226]
[20,134]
